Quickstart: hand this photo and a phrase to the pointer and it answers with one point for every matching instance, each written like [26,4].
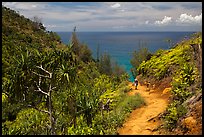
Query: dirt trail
[139,123]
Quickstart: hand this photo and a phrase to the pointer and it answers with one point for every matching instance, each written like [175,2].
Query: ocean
[120,45]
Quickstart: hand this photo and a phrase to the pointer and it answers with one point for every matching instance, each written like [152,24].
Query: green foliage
[164,63]
[4,98]
[118,72]
[175,110]
[119,107]
[138,57]
[17,30]
[111,68]
[177,63]
[183,79]
[85,53]
[130,103]
[196,38]
[37,23]
[78,87]
[75,42]
[28,122]
[114,94]
[105,64]
[81,50]
[124,106]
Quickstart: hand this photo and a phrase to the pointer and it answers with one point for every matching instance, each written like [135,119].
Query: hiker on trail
[148,84]
[136,83]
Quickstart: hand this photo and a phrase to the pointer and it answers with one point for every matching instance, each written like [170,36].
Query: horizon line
[128,31]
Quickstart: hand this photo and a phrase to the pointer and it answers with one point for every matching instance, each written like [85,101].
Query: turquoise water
[120,45]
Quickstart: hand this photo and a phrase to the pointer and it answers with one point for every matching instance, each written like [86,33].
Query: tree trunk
[88,118]
[75,111]
[50,111]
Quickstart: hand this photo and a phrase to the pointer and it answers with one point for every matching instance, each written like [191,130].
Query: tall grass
[125,106]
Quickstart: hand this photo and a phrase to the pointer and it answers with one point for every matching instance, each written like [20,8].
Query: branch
[39,82]
[71,121]
[40,75]
[45,111]
[39,89]
[45,70]
[50,88]
[53,88]
[107,102]
[106,105]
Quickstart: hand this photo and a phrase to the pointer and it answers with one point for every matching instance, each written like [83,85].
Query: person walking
[136,83]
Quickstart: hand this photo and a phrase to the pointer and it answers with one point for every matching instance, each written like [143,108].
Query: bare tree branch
[71,121]
[53,88]
[39,82]
[38,86]
[52,119]
[106,105]
[45,111]
[39,89]
[44,70]
[41,75]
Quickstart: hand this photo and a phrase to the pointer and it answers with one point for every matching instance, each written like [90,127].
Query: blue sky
[114,16]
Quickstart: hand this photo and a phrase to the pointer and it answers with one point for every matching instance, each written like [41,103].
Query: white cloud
[185,18]
[165,21]
[116,5]
[34,6]
[119,27]
[104,15]
[23,5]
[51,26]
[146,22]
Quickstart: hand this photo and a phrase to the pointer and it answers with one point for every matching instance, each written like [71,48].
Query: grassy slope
[165,62]
[19,30]
[20,35]
[181,65]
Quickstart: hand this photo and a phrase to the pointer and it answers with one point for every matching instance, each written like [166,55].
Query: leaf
[63,67]
[37,52]
[67,76]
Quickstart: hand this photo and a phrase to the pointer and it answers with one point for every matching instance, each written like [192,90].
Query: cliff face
[180,69]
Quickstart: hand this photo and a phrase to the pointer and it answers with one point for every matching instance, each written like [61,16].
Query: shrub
[28,122]
[175,110]
[183,79]
[159,66]
[138,57]
[129,103]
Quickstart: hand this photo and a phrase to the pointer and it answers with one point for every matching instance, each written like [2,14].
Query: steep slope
[20,34]
[48,89]
[180,68]
[20,30]
[22,40]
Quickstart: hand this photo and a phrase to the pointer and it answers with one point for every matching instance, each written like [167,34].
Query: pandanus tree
[36,75]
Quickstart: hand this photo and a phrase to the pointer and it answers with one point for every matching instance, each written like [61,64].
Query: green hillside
[181,69]
[25,31]
[52,88]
